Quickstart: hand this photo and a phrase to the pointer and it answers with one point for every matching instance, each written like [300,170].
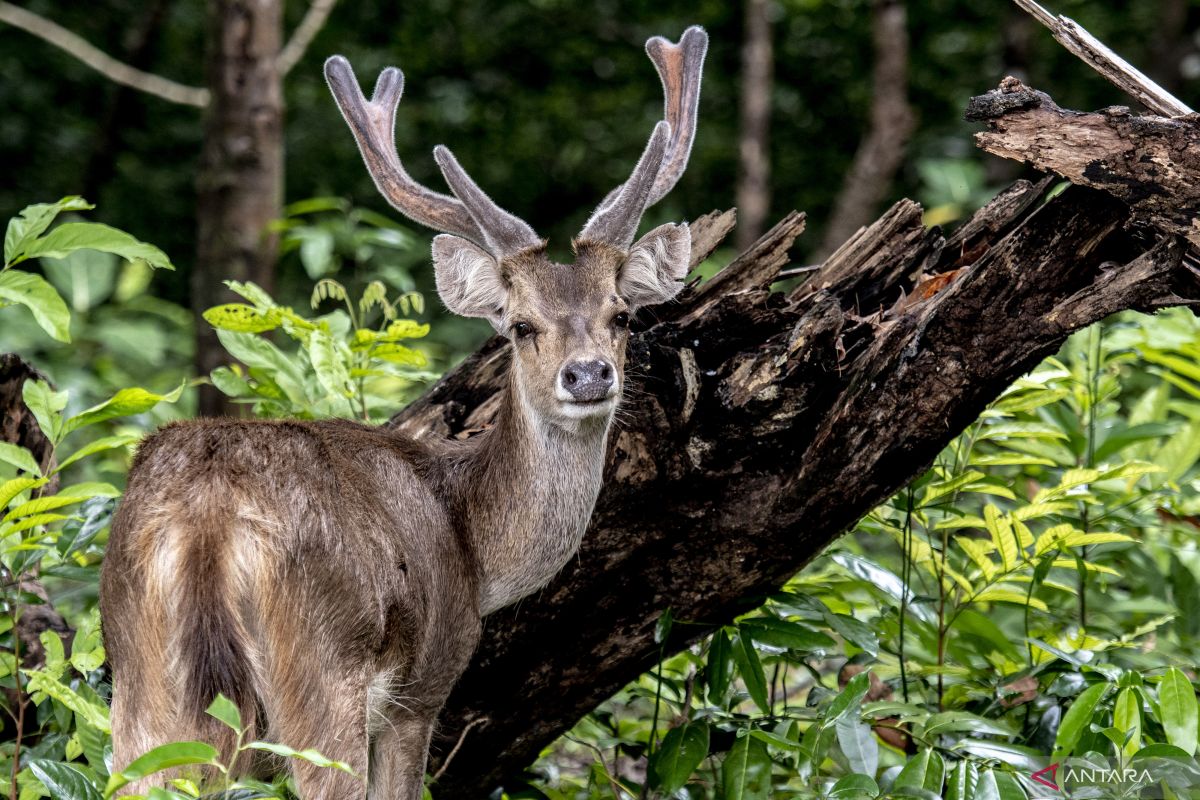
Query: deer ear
[468,279]
[656,266]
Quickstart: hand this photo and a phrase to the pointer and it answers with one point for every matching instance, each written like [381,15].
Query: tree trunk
[240,183]
[881,152]
[754,137]
[766,423]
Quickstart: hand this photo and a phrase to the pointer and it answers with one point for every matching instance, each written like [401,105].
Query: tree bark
[1150,162]
[754,136]
[240,183]
[764,424]
[881,152]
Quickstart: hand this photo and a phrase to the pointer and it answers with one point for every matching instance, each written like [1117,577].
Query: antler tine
[506,234]
[679,67]
[616,221]
[374,127]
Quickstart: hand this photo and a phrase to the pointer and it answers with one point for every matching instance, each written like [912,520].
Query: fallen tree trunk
[763,423]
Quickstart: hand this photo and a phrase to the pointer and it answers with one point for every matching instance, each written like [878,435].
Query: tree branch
[314,19]
[106,65]
[1097,55]
[1149,162]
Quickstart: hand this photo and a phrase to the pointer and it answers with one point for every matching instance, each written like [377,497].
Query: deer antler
[373,124]
[679,67]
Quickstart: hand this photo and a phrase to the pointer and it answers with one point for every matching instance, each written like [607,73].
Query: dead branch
[314,19]
[116,71]
[1150,162]
[1116,70]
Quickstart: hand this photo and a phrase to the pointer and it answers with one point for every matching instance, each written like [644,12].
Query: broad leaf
[1177,703]
[746,772]
[64,781]
[751,669]
[1077,718]
[42,299]
[124,403]
[72,236]
[32,222]
[681,751]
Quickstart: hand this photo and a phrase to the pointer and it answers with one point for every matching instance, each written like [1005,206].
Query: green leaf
[998,594]
[241,318]
[964,778]
[662,627]
[11,488]
[95,713]
[33,292]
[751,669]
[63,781]
[926,771]
[311,756]
[33,221]
[252,292]
[850,700]
[996,785]
[1002,536]
[72,236]
[329,365]
[790,635]
[20,458]
[79,531]
[858,744]
[45,403]
[955,721]
[99,446]
[854,787]
[167,756]
[1127,718]
[1177,703]
[40,505]
[746,772]
[224,709]
[883,580]
[255,351]
[1077,719]
[124,403]
[719,670]
[681,751]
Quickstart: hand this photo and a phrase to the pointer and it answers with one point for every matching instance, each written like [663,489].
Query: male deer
[330,577]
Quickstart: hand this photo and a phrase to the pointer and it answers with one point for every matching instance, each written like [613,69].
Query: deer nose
[588,380]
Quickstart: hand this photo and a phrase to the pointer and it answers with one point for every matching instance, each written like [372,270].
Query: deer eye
[523,330]
[621,320]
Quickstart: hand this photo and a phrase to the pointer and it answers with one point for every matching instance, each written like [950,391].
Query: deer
[330,578]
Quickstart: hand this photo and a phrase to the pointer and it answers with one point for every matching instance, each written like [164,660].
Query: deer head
[568,322]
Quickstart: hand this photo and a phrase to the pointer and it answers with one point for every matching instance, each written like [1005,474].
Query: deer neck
[525,495]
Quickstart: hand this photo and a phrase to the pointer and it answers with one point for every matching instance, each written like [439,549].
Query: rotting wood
[1150,162]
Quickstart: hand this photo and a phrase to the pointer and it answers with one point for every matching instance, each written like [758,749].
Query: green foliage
[1024,602]
[26,238]
[341,367]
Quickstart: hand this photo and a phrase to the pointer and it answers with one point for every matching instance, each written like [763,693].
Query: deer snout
[588,381]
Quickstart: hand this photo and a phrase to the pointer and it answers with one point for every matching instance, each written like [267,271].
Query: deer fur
[330,577]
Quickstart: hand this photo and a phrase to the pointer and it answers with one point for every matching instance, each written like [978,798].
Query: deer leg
[398,756]
[329,717]
[146,714]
